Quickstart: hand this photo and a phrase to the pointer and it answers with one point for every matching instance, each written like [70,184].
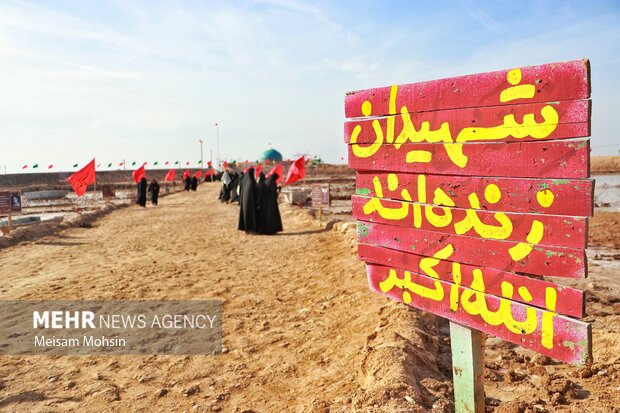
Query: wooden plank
[504,255]
[544,83]
[553,159]
[467,368]
[557,230]
[569,196]
[543,331]
[527,122]
[570,301]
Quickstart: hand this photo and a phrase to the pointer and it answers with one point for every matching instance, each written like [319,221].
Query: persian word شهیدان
[454,147]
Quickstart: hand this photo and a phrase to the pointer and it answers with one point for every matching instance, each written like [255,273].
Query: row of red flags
[209,164]
[80,180]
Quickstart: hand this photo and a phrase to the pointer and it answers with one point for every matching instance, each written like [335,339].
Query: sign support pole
[467,368]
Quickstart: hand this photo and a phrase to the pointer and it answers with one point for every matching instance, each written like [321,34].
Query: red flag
[170,175]
[209,164]
[138,174]
[82,178]
[25,166]
[225,164]
[187,163]
[98,165]
[210,172]
[166,163]
[245,171]
[121,163]
[279,170]
[50,167]
[259,167]
[296,171]
[186,174]
[198,174]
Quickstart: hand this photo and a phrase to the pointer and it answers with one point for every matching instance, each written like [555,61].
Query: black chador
[225,191]
[247,200]
[141,194]
[154,190]
[188,183]
[269,221]
[194,183]
[236,189]
[260,186]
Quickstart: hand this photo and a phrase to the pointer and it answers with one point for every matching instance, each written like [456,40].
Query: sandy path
[297,311]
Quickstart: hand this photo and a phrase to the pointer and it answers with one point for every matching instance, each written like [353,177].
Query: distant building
[271,155]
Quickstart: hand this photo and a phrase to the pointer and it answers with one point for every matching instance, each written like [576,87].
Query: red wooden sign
[570,301]
[540,196]
[552,159]
[546,83]
[555,230]
[469,190]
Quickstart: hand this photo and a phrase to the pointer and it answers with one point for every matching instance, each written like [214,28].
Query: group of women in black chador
[191,183]
[153,192]
[258,201]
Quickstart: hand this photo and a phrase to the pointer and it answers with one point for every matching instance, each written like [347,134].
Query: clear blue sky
[144,80]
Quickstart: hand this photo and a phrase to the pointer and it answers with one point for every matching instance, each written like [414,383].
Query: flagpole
[201,160]
[217,130]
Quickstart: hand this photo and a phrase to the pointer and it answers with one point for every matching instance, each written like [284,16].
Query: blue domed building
[271,155]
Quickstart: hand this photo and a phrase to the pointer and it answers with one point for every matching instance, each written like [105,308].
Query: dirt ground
[302,331]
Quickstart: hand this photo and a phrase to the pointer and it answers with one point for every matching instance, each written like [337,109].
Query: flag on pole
[50,166]
[138,174]
[166,163]
[80,180]
[200,162]
[25,167]
[170,175]
[176,163]
[209,164]
[198,174]
[156,162]
[121,163]
[110,165]
[259,168]
[186,174]
[36,165]
[296,171]
[279,170]
[225,164]
[187,163]
[133,163]
[75,165]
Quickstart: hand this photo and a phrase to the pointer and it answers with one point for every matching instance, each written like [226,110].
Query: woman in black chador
[141,195]
[225,191]
[260,186]
[154,190]
[269,221]
[194,183]
[247,200]
[236,189]
[188,183]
